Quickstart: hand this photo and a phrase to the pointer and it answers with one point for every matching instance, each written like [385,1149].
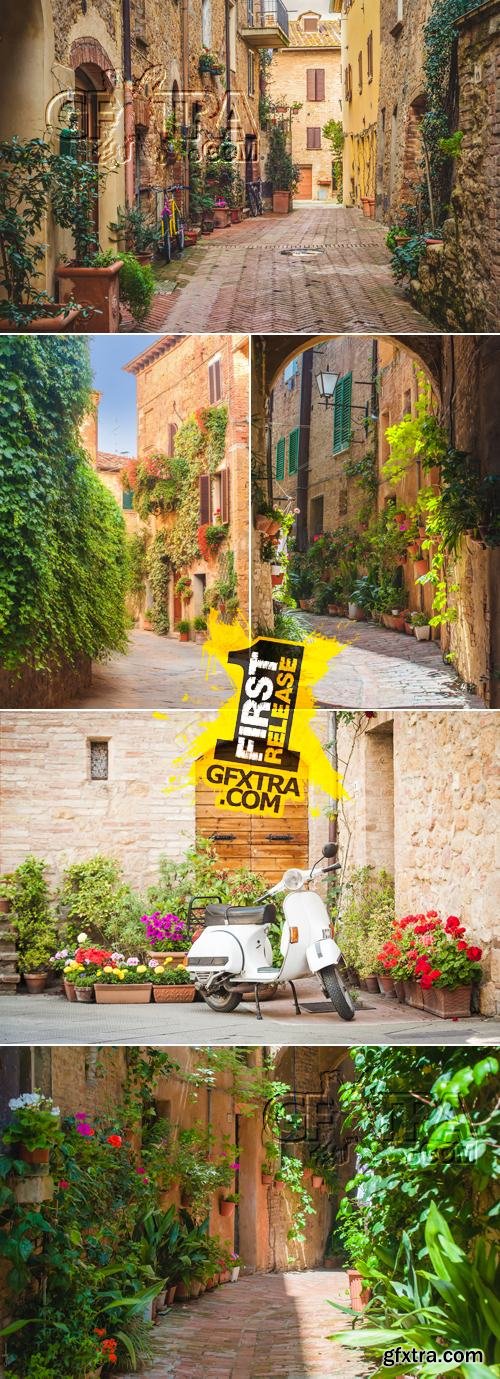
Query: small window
[280,459]
[313,136]
[316,517]
[127,499]
[206,23]
[293,451]
[214,381]
[369,56]
[99,760]
[315,83]
[171,434]
[342,414]
[311,25]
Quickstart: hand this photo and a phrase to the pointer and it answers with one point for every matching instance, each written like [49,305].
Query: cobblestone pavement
[158,673]
[380,669]
[50,1019]
[266,1326]
[240,279]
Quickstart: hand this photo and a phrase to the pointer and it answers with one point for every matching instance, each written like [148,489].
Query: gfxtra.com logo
[257,770]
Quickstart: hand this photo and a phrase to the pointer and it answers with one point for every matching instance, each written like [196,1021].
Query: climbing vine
[163,484]
[63,568]
[159,570]
[440,34]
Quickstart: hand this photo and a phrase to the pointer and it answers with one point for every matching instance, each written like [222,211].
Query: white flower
[132,962]
[82,938]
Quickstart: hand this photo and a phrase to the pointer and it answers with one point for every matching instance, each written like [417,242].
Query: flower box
[174,993]
[127,993]
[414,995]
[222,217]
[449,1003]
[176,959]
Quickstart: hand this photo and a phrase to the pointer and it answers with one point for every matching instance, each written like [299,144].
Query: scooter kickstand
[257,1002]
[294,994]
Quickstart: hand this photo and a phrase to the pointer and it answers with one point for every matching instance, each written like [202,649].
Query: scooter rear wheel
[224,1001]
[337,993]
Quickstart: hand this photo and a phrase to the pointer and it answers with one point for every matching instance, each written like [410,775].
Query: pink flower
[63,1183]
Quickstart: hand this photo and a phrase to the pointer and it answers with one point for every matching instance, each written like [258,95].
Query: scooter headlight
[292,880]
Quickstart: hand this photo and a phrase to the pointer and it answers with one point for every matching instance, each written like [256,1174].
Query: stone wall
[400,105]
[287,79]
[460,285]
[426,786]
[51,687]
[51,807]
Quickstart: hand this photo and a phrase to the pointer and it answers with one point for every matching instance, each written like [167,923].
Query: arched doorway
[22,68]
[96,114]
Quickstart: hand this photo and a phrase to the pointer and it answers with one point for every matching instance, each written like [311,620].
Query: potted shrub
[183,628]
[136,282]
[167,935]
[227,1204]
[171,983]
[34,963]
[209,64]
[420,566]
[281,171]
[128,983]
[421,626]
[35,1127]
[135,233]
[24,197]
[200,629]
[74,195]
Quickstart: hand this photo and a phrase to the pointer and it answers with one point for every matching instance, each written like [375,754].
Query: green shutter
[293,451]
[280,459]
[342,414]
[128,499]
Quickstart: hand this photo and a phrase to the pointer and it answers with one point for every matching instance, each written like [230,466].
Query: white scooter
[232,954]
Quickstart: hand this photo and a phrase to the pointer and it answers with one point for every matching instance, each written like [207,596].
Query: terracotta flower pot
[132,994]
[161,994]
[236,215]
[267,1179]
[449,1003]
[372,984]
[399,988]
[85,994]
[386,985]
[69,990]
[96,288]
[409,629]
[414,995]
[176,959]
[221,217]
[36,982]
[279,1185]
[54,321]
[5,906]
[420,567]
[33,1156]
[317,1180]
[226,1208]
[281,203]
[359,1295]
[305,605]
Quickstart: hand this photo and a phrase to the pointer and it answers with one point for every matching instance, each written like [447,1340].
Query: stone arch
[25,36]
[88,55]
[280,350]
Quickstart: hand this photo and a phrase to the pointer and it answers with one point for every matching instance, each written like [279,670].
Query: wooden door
[305,187]
[177,601]
[265,845]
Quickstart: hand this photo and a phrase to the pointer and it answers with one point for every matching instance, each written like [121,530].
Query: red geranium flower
[429,978]
[63,1183]
[432,914]
[115,1140]
[461,945]
[474,954]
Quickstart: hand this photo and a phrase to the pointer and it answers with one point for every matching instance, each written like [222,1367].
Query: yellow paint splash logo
[260,752]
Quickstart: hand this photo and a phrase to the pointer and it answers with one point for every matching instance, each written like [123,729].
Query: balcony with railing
[266,24]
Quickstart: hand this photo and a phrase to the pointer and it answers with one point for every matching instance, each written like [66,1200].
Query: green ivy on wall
[440,33]
[63,565]
[199,448]
[159,571]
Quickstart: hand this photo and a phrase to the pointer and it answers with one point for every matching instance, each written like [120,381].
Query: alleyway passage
[266,1326]
[380,669]
[241,279]
[158,673]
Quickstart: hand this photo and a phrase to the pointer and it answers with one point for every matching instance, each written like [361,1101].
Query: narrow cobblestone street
[243,277]
[380,669]
[157,673]
[266,1326]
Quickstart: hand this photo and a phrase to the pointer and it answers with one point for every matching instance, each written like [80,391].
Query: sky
[117,415]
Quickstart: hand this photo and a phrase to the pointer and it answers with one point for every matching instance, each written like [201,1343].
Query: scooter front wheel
[337,993]
[224,1000]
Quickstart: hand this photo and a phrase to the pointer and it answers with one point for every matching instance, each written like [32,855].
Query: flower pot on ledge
[97,289]
[449,1003]
[226,1208]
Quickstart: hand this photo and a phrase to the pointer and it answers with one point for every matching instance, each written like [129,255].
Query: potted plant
[200,628]
[235,1267]
[420,566]
[135,233]
[136,282]
[222,215]
[209,64]
[34,963]
[167,935]
[421,626]
[74,195]
[35,1127]
[84,985]
[359,1293]
[183,628]
[127,983]
[184,589]
[267,1175]
[171,983]
[24,197]
[207,202]
[214,534]
[227,1203]
[281,171]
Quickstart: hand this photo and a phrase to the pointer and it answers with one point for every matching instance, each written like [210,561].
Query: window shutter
[293,451]
[205,499]
[320,83]
[224,494]
[214,382]
[342,414]
[313,136]
[346,409]
[280,459]
[311,83]
[337,416]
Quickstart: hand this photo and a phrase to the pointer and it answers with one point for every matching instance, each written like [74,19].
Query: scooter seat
[239,914]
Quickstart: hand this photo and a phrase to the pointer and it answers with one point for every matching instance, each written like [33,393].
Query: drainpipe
[128,107]
[227,25]
[303,458]
[185,95]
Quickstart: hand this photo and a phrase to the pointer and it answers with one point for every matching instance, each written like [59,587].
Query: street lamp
[327,383]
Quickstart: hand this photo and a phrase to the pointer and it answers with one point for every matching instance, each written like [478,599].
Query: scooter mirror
[293,880]
[330,850]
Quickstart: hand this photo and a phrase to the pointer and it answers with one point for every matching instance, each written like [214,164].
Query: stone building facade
[175,377]
[402,103]
[361,81]
[307,73]
[424,804]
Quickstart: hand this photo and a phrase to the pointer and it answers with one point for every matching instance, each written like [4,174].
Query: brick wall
[287,79]
[400,105]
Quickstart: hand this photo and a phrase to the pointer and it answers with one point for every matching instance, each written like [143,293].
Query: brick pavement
[239,279]
[380,669]
[266,1326]
[158,673]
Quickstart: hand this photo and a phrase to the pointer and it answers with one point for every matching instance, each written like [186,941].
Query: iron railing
[267,14]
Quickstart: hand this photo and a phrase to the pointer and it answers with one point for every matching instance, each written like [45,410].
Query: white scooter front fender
[324,953]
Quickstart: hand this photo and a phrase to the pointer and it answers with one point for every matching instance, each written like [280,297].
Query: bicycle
[254,197]
[172,224]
